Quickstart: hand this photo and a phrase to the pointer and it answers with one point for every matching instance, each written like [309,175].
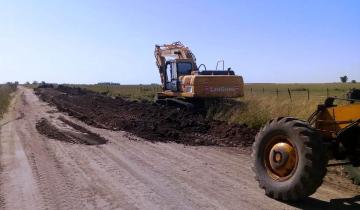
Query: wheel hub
[282,159]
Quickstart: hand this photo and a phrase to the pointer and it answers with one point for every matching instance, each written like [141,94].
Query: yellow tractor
[183,82]
[290,156]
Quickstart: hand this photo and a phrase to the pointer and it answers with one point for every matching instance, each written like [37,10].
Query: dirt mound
[150,121]
[45,128]
[76,135]
[72,90]
[46,85]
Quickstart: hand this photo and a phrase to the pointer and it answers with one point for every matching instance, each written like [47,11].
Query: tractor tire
[289,159]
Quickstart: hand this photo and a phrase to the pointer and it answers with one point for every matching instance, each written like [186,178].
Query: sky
[89,41]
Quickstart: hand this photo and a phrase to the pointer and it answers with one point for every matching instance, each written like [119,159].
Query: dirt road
[127,173]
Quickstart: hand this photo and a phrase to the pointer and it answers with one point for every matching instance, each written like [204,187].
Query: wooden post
[327,92]
[308,93]
[277,92]
[289,94]
[251,91]
[263,90]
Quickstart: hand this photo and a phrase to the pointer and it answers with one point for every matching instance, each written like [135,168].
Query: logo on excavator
[221,89]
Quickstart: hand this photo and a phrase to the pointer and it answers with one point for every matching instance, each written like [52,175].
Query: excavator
[184,84]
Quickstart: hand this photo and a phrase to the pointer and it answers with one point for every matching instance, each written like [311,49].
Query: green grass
[5,97]
[261,103]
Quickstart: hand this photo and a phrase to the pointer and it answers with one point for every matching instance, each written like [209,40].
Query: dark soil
[84,136]
[45,128]
[144,119]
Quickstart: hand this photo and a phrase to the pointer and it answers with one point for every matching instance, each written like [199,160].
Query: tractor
[290,156]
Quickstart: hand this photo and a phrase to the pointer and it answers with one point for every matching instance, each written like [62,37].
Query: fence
[291,92]
[304,93]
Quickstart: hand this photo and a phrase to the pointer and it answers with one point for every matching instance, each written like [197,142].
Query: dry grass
[262,102]
[256,110]
[5,96]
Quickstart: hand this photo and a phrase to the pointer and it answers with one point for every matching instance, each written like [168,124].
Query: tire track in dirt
[51,178]
[150,179]
[2,200]
[15,164]
[187,176]
[89,169]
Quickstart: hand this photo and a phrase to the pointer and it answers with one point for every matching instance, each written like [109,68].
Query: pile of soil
[79,135]
[45,128]
[147,120]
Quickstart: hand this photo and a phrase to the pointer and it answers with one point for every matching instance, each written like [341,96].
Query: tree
[344,79]
[353,81]
[35,82]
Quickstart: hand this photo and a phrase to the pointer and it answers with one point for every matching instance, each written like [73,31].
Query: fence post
[263,90]
[277,92]
[251,91]
[289,94]
[308,93]
[327,92]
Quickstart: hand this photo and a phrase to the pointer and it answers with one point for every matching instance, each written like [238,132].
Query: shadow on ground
[339,203]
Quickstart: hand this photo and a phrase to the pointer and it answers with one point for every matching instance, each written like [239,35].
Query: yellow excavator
[290,155]
[183,83]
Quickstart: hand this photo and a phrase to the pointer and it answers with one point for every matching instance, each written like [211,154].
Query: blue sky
[96,41]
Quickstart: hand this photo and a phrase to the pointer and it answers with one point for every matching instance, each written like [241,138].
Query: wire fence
[291,93]
[303,93]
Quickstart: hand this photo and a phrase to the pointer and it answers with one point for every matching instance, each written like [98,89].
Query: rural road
[128,173]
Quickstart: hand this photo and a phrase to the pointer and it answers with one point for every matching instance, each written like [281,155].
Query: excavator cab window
[184,68]
[168,76]
[171,82]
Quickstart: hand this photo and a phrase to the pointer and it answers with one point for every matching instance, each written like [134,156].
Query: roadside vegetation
[261,103]
[5,96]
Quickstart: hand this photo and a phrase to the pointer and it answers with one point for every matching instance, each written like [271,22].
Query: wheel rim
[280,158]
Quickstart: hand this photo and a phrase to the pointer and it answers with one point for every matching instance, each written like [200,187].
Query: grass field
[261,103]
[5,96]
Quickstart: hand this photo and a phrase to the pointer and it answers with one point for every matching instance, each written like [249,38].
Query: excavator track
[176,103]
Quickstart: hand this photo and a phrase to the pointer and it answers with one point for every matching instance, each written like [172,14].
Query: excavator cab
[174,69]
